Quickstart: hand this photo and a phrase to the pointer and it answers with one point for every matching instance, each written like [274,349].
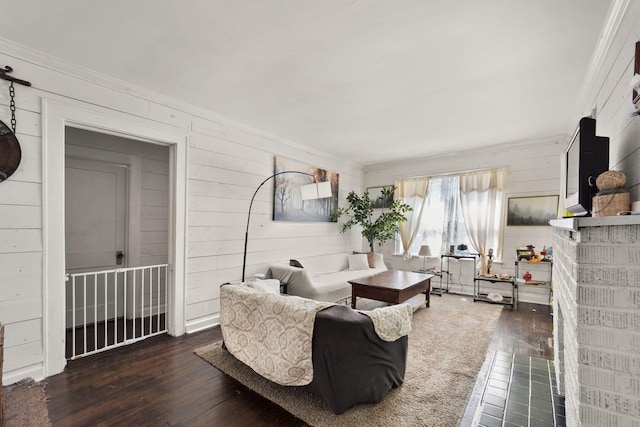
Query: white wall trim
[203,323]
[549,140]
[56,115]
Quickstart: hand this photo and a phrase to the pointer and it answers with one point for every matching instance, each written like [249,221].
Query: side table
[471,256]
[511,300]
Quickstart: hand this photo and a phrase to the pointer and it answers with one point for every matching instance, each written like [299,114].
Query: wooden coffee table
[392,286]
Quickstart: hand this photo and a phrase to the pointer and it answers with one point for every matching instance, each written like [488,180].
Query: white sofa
[324,277]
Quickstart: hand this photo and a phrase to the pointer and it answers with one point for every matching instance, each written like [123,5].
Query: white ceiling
[370,80]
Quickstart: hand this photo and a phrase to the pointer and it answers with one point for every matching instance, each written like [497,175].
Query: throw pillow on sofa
[271,286]
[295,263]
[358,262]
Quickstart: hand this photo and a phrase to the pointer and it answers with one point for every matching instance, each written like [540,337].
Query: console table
[511,300]
[446,272]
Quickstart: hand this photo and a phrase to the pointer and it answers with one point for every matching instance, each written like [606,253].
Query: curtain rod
[453,173]
[5,76]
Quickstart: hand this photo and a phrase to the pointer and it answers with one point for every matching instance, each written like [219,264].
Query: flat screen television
[586,157]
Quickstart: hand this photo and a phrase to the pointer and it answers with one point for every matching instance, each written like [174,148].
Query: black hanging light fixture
[10,152]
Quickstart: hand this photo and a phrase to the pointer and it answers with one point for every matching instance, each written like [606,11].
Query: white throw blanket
[391,322]
[270,333]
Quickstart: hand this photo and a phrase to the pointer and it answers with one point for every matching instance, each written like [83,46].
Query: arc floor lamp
[317,190]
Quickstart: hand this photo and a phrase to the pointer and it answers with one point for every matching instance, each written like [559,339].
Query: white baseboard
[35,372]
[202,323]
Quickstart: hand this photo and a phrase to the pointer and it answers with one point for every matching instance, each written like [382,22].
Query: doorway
[116,241]
[60,117]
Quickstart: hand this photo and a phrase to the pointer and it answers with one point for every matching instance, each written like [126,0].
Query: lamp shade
[318,190]
[424,251]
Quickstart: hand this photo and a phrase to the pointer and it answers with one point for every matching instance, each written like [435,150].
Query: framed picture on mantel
[533,210]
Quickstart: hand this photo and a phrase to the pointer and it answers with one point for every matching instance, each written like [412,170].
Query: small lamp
[425,251]
[314,191]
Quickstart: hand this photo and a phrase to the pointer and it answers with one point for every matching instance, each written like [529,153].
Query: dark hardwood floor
[161,382]
[527,331]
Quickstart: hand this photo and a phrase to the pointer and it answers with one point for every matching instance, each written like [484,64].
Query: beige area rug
[25,404]
[447,346]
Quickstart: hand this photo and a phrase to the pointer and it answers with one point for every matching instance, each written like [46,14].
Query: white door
[95,236]
[95,215]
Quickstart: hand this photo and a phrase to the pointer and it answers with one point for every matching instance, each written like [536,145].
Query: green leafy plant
[360,211]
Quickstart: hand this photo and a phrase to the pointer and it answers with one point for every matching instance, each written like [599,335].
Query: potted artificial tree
[375,227]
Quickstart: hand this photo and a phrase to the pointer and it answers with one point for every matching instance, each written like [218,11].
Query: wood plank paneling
[21,333]
[610,96]
[18,287]
[22,355]
[28,122]
[19,310]
[20,217]
[20,264]
[20,240]
[202,308]
[21,193]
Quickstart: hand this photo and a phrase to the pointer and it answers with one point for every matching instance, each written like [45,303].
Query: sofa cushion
[335,286]
[324,278]
[370,258]
[358,262]
[325,263]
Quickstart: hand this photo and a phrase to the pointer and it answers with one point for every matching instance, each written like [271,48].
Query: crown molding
[548,140]
[58,65]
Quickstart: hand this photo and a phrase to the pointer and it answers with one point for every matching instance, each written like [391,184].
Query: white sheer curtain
[413,192]
[482,200]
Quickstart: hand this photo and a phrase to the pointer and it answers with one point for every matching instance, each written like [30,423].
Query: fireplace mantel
[575,223]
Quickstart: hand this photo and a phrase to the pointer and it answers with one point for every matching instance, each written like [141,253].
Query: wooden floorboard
[526,331]
[161,382]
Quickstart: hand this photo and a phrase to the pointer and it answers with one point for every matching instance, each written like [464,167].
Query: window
[442,223]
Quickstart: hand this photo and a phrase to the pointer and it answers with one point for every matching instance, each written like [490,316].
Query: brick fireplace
[596,307]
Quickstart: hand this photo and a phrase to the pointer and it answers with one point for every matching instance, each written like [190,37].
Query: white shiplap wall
[226,162]
[609,94]
[225,168]
[533,169]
